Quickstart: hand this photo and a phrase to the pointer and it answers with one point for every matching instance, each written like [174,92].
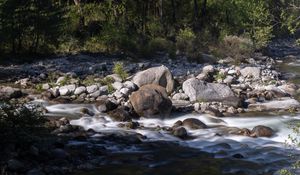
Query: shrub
[119,69]
[19,122]
[238,48]
[185,39]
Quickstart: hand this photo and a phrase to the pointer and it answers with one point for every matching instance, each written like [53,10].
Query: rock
[213,111]
[288,88]
[177,124]
[262,131]
[155,75]
[7,92]
[79,90]
[228,79]
[251,72]
[60,80]
[115,77]
[92,88]
[95,94]
[45,86]
[198,90]
[206,58]
[54,91]
[202,77]
[15,165]
[180,96]
[130,85]
[281,104]
[103,90]
[67,90]
[120,115]
[180,132]
[59,153]
[182,106]
[105,105]
[35,172]
[193,123]
[125,91]
[232,110]
[23,82]
[117,85]
[150,100]
[118,95]
[208,69]
[231,72]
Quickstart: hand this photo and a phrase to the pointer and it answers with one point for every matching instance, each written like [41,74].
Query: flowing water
[272,153]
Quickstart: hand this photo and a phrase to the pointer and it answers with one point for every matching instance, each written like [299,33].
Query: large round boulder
[150,100]
[198,90]
[156,75]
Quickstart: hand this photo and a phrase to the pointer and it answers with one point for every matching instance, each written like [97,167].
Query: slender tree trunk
[196,10]
[173,11]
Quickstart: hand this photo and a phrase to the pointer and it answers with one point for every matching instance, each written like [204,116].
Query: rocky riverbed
[167,115]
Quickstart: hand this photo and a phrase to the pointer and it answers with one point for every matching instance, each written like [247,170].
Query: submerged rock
[150,100]
[193,123]
[180,132]
[262,131]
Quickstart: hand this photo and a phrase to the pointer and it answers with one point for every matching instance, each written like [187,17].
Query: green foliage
[19,122]
[298,42]
[220,76]
[107,81]
[139,28]
[119,70]
[236,47]
[185,39]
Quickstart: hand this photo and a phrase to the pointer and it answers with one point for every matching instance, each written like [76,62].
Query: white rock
[117,85]
[45,86]
[125,91]
[92,88]
[60,80]
[67,90]
[130,85]
[80,90]
[180,96]
[208,69]
[251,71]
[231,72]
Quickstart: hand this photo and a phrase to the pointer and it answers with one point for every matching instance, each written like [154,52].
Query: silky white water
[274,152]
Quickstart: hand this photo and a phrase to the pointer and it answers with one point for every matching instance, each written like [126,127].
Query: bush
[185,39]
[119,69]
[238,48]
[19,122]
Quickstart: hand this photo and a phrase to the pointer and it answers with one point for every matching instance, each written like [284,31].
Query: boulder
[198,90]
[91,89]
[67,90]
[193,123]
[155,75]
[120,114]
[180,96]
[208,69]
[253,72]
[150,100]
[180,132]
[280,104]
[105,105]
[79,90]
[262,131]
[7,92]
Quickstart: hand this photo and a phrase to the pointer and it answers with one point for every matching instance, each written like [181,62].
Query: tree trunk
[173,11]
[196,14]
